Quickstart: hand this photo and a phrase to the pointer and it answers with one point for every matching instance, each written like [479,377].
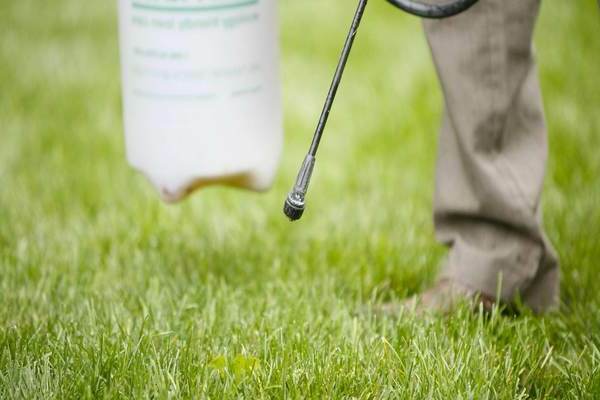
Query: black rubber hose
[425,10]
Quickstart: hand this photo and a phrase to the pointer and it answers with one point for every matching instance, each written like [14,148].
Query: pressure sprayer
[295,202]
[201,93]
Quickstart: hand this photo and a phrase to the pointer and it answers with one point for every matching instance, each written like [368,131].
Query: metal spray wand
[296,199]
[295,202]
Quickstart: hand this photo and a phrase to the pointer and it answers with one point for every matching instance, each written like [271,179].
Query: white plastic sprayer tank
[201,90]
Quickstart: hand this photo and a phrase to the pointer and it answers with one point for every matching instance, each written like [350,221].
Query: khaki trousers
[492,154]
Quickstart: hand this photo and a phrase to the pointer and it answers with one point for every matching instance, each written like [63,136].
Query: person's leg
[492,154]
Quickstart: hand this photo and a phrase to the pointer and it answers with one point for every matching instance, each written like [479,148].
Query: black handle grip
[426,10]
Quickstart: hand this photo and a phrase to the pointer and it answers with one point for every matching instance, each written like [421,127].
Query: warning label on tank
[191,5]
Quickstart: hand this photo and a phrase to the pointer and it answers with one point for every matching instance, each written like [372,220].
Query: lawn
[105,292]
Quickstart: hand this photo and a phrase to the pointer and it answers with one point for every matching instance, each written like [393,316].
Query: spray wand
[295,202]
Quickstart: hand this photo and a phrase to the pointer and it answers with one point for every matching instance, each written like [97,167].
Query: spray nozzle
[295,201]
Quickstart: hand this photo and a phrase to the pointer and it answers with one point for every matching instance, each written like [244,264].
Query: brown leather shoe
[442,298]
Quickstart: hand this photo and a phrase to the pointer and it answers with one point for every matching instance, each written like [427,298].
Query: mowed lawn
[107,293]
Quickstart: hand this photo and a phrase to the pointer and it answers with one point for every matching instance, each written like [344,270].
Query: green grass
[105,292]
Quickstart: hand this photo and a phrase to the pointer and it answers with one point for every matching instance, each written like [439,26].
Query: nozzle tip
[293,211]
